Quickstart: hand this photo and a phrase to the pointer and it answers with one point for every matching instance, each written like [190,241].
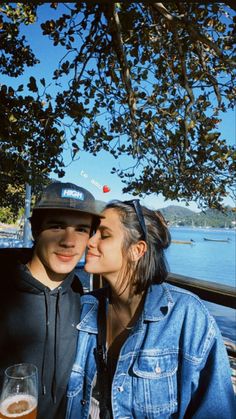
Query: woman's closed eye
[105,236]
[104,233]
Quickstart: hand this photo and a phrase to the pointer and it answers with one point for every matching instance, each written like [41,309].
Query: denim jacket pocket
[155,382]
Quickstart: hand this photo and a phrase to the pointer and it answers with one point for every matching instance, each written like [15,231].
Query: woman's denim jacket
[172,365]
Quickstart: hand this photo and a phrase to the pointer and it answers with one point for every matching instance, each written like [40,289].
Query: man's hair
[152,267]
[36,222]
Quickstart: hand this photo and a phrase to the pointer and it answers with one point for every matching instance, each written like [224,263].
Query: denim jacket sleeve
[214,396]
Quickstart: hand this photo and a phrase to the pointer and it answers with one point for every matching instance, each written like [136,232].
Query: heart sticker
[106,189]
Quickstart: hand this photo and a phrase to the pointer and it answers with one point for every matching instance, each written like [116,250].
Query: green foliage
[31,143]
[9,214]
[141,79]
[30,138]
[6,215]
[12,192]
[15,52]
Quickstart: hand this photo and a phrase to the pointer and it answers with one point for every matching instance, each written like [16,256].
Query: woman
[157,351]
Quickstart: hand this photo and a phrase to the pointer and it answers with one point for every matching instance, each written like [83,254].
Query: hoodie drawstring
[43,372]
[57,339]
[46,343]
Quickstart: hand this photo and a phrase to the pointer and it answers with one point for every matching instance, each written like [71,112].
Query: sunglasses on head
[138,210]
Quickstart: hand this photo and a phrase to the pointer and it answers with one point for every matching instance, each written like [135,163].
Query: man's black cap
[67,196]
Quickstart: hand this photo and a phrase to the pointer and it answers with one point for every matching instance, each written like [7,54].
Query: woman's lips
[91,255]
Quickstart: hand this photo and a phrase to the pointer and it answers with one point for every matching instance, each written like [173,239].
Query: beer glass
[19,396]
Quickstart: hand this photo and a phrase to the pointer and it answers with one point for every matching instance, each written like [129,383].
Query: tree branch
[192,29]
[118,46]
[211,78]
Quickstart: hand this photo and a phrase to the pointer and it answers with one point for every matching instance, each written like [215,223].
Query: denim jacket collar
[158,304]
[89,321]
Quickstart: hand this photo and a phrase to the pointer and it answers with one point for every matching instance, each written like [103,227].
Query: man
[40,295]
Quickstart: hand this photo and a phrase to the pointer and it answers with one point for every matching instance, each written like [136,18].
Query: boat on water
[216,240]
[183,241]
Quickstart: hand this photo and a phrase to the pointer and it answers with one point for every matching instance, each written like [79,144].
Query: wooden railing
[212,292]
[209,291]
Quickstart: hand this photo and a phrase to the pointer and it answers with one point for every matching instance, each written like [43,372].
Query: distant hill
[177,211]
[181,216]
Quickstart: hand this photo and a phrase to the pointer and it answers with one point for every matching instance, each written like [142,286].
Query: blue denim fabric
[172,365]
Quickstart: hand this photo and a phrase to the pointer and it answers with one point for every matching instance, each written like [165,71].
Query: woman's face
[104,254]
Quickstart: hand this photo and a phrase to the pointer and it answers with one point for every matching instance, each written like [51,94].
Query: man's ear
[137,250]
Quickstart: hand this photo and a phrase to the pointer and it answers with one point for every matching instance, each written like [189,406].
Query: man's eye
[83,230]
[55,227]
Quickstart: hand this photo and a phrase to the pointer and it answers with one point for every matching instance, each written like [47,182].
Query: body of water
[208,260]
[212,261]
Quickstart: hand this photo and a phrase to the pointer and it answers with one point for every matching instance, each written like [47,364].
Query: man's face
[61,243]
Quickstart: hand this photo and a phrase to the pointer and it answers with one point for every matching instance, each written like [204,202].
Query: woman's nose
[92,241]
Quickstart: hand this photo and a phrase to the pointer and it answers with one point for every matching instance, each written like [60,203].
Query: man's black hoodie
[38,325]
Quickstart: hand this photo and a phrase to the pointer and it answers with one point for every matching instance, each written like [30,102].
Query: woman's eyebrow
[102,228]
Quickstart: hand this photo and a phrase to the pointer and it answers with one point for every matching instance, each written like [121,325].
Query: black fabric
[101,360]
[38,325]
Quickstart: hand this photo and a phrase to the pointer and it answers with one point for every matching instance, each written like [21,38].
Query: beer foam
[17,398]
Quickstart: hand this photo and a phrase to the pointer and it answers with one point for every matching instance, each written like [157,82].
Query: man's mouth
[64,257]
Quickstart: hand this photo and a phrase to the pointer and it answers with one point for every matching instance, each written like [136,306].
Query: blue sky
[89,171]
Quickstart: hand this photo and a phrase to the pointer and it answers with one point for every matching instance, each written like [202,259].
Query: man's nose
[68,237]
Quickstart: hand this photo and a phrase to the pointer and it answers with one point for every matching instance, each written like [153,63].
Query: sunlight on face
[61,242]
[105,254]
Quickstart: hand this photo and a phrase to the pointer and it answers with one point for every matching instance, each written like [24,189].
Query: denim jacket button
[158,370]
[120,389]
[83,402]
